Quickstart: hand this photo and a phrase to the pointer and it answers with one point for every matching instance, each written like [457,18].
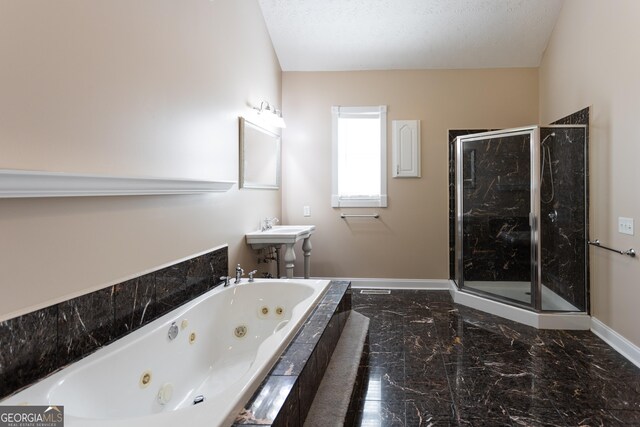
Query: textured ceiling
[325,35]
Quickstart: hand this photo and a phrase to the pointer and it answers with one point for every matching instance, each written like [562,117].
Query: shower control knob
[553,215]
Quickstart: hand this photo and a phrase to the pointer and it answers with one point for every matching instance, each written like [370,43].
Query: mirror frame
[244,125]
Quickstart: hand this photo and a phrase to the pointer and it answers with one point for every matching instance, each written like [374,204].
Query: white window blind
[359,156]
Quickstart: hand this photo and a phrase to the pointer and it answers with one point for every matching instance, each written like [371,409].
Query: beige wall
[144,88]
[410,239]
[593,59]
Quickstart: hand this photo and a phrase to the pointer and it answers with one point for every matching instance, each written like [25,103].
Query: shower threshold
[521,291]
[541,320]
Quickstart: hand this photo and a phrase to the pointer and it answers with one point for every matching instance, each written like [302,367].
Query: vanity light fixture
[272,115]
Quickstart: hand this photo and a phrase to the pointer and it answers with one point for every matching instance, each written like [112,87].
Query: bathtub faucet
[239,273]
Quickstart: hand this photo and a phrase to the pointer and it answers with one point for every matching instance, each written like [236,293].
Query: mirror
[259,157]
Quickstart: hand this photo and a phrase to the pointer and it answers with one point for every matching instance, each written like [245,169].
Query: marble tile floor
[434,363]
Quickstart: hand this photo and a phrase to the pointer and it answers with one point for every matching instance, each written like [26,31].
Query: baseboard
[617,341]
[417,284]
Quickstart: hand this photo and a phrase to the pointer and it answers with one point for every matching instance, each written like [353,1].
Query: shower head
[547,137]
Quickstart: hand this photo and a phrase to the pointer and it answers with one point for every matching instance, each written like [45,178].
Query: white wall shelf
[25,183]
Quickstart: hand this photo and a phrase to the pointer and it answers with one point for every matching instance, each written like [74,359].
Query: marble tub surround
[432,362]
[37,344]
[286,394]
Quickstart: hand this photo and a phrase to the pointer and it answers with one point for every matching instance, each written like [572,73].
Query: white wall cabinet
[406,149]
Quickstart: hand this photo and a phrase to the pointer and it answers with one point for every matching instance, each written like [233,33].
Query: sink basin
[285,229]
[280,234]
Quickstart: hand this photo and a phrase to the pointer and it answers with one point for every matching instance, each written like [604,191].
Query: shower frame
[534,217]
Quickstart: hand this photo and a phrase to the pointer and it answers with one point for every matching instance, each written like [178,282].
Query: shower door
[496,210]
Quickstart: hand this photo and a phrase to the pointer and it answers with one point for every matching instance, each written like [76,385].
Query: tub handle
[225,280]
[251,273]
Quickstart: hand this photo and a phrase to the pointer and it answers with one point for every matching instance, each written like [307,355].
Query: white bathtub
[120,384]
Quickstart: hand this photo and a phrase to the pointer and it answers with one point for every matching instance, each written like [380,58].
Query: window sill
[338,202]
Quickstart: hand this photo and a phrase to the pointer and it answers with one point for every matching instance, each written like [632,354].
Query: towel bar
[375,215]
[597,243]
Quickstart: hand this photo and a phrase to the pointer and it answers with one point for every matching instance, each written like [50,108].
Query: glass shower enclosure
[521,215]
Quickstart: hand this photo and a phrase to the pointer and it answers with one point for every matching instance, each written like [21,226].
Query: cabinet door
[406,148]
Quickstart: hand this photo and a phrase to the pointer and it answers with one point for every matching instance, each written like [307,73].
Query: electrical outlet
[306,210]
[625,225]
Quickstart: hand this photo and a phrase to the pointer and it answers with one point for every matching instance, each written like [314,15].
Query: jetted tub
[227,341]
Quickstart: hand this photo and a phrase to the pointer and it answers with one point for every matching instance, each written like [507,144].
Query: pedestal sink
[285,235]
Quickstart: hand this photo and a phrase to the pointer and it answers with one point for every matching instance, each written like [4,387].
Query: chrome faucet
[239,273]
[267,223]
[251,273]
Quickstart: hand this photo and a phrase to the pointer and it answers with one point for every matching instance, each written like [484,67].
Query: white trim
[360,202]
[556,320]
[350,112]
[25,183]
[619,343]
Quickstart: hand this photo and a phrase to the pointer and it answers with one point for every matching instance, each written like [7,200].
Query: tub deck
[286,394]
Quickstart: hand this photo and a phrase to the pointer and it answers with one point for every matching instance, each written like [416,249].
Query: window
[359,156]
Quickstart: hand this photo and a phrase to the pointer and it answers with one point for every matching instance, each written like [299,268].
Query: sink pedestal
[306,248]
[290,258]
[286,235]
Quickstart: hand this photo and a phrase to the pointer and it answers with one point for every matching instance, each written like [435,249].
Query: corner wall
[145,88]
[593,60]
[410,240]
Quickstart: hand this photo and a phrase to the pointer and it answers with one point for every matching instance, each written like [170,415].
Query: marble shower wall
[564,254]
[562,195]
[37,344]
